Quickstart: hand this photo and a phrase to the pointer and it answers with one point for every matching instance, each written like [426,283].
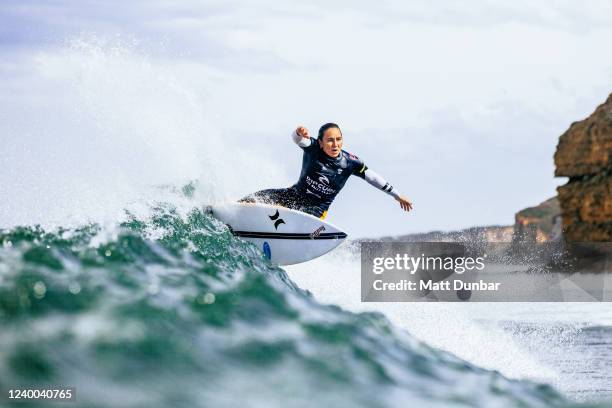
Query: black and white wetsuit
[321,179]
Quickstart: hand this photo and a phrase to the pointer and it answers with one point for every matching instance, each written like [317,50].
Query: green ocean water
[171,310]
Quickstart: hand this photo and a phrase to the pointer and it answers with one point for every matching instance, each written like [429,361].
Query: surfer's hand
[302,131]
[405,203]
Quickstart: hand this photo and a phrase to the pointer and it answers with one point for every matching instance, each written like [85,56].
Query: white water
[106,125]
[489,335]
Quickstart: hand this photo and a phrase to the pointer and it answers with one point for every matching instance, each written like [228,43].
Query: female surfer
[325,169]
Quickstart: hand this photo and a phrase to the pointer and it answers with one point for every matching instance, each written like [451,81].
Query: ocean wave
[172,310]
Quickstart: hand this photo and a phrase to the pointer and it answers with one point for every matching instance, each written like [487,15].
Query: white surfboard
[285,236]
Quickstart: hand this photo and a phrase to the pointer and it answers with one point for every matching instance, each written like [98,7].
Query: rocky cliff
[538,224]
[584,154]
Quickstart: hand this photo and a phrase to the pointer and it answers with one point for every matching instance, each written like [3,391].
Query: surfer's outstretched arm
[380,183]
[301,137]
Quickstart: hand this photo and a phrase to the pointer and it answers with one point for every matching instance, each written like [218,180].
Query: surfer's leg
[247,199]
[286,197]
[278,196]
[258,196]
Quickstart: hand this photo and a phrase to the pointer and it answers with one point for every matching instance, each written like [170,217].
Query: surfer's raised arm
[301,137]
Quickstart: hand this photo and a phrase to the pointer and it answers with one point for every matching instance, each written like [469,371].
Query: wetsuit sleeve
[359,167]
[377,181]
[300,141]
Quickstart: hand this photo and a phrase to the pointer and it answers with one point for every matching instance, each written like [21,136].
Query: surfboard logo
[324,179]
[317,232]
[266,250]
[277,221]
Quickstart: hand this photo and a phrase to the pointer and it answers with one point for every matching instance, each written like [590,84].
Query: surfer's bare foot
[405,203]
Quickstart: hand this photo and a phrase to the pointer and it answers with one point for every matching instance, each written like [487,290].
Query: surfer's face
[332,142]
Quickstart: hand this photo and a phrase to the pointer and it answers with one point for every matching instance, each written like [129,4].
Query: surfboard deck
[285,236]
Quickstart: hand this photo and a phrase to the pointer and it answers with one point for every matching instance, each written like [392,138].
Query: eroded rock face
[584,154]
[587,209]
[538,224]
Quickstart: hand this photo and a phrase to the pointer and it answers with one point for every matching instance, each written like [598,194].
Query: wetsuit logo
[320,185]
[277,221]
[310,192]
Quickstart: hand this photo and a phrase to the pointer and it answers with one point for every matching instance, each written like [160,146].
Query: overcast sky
[459,108]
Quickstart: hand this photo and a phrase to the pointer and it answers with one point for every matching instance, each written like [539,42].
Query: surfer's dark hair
[324,128]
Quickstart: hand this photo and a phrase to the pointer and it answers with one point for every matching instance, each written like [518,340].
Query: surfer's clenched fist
[303,132]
